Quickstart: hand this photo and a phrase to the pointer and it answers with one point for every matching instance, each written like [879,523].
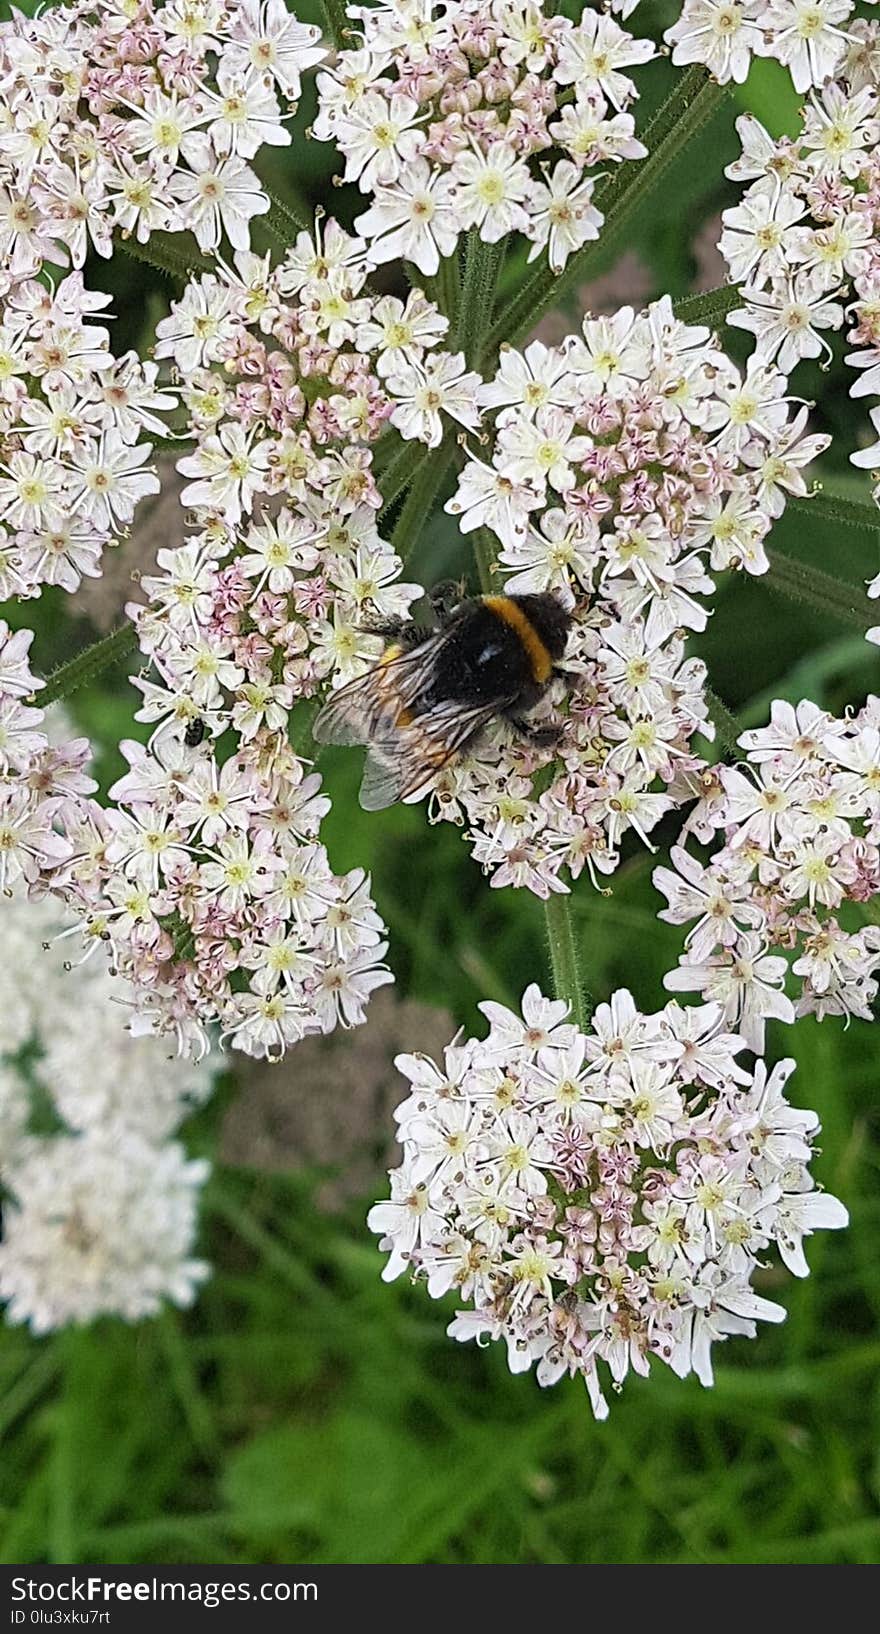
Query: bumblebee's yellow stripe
[405,718]
[538,656]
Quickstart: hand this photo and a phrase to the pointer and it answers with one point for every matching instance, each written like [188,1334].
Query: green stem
[171,444]
[336,20]
[724,722]
[710,307]
[564,963]
[165,255]
[87,665]
[485,552]
[285,215]
[693,102]
[482,263]
[398,473]
[449,288]
[185,1381]
[423,490]
[834,510]
[817,590]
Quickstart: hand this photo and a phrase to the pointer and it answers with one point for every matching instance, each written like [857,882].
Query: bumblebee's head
[549,619]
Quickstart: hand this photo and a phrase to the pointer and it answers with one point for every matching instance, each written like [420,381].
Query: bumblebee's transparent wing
[404,759]
[368,707]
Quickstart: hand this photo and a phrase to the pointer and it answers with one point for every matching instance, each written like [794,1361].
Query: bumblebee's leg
[403,631]
[544,736]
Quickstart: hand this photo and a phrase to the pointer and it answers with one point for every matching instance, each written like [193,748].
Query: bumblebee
[434,690]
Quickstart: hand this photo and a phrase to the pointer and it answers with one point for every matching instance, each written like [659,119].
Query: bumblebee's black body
[484,660]
[434,690]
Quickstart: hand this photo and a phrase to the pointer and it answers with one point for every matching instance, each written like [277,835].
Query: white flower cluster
[809,37]
[210,884]
[129,118]
[41,786]
[804,244]
[621,465]
[100,1213]
[601,1198]
[444,111]
[800,830]
[806,228]
[72,466]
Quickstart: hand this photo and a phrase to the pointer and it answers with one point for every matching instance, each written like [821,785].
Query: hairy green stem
[833,509]
[449,288]
[87,665]
[693,102]
[416,509]
[485,551]
[711,306]
[336,20]
[482,264]
[724,722]
[165,254]
[564,962]
[817,590]
[398,473]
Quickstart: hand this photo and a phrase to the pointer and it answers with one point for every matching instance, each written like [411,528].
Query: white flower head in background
[99,1224]
[100,1214]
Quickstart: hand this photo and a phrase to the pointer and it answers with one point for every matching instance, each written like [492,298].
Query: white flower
[441,385]
[246,115]
[785,318]
[588,1207]
[100,1223]
[806,39]
[490,190]
[217,197]
[758,242]
[271,41]
[747,983]
[229,470]
[107,481]
[413,219]
[723,34]
[485,497]
[595,50]
[561,214]
[541,451]
[379,138]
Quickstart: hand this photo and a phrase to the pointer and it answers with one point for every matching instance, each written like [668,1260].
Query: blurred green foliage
[306,1412]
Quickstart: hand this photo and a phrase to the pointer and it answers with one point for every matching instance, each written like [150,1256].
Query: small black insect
[434,690]
[195,732]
